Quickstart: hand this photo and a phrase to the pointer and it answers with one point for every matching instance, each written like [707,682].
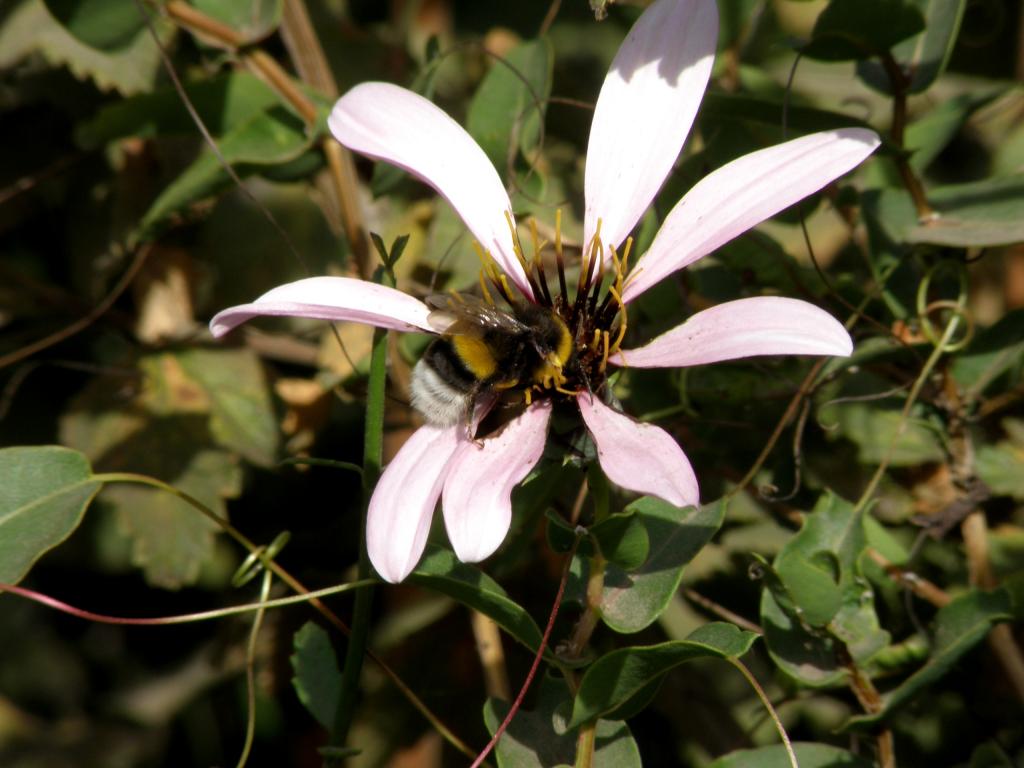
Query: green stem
[304,594]
[900,83]
[940,349]
[250,671]
[768,706]
[585,745]
[373,438]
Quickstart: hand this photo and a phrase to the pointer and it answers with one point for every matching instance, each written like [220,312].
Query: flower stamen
[559,260]
[517,248]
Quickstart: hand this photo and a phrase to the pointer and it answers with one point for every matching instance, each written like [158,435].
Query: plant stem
[915,390]
[297,586]
[768,706]
[871,701]
[341,181]
[900,82]
[373,438]
[492,656]
[585,745]
[84,322]
[250,671]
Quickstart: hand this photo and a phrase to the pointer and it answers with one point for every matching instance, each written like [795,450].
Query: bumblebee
[483,349]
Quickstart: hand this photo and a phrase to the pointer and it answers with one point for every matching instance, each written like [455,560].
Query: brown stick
[492,656]
[921,587]
[341,183]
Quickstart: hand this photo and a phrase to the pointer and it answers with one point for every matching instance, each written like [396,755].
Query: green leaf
[252,19]
[999,465]
[926,55]
[43,496]
[990,755]
[806,654]
[441,572]
[849,29]
[819,597]
[623,539]
[929,135]
[29,29]
[161,430]
[959,626]
[808,755]
[171,540]
[537,738]
[103,24]
[873,428]
[506,111]
[317,678]
[222,102]
[634,599]
[978,213]
[615,678]
[799,119]
[818,564]
[241,413]
[267,139]
[994,352]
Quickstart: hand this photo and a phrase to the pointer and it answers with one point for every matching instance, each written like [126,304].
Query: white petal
[390,123]
[398,518]
[644,112]
[640,457]
[477,500]
[764,325]
[332,298]
[743,193]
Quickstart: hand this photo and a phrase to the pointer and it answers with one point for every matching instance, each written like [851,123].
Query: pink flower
[643,115]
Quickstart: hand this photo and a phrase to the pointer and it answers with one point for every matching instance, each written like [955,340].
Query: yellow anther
[527,396]
[623,322]
[504,284]
[625,253]
[517,247]
[621,335]
[604,354]
[485,290]
[617,296]
[632,276]
[597,339]
[592,251]
[486,260]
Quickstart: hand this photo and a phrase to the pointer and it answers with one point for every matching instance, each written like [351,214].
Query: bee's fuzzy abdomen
[442,388]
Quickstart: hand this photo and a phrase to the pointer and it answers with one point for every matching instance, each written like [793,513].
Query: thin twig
[536,661]
[84,322]
[250,671]
[768,706]
[920,586]
[341,183]
[297,586]
[871,701]
[492,656]
[721,611]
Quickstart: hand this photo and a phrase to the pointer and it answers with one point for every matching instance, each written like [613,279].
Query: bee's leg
[471,403]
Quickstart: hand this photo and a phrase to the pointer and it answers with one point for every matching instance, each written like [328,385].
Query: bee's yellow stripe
[476,356]
[564,350]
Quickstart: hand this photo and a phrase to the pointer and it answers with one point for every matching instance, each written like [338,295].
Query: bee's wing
[469,315]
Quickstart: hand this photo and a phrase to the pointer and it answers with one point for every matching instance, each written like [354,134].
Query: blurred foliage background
[897,473]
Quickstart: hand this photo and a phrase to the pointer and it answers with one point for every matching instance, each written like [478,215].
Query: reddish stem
[533,668]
